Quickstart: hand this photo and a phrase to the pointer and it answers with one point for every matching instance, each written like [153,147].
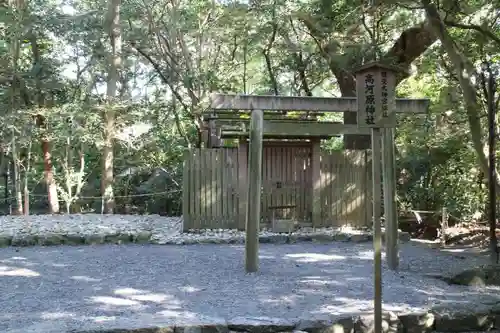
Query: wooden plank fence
[210,188]
[345,189]
[214,187]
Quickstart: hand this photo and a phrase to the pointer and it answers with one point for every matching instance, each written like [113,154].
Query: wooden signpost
[376,89]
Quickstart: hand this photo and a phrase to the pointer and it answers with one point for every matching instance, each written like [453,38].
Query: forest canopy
[101,98]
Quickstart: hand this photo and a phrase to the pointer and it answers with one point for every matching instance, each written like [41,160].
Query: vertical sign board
[388,102]
[388,96]
[375,86]
[365,88]
[384,94]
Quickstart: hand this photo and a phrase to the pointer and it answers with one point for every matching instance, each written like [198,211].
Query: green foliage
[178,52]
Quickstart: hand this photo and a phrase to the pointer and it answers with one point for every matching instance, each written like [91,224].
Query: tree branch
[176,94]
[267,50]
[475,27]
[162,76]
[410,45]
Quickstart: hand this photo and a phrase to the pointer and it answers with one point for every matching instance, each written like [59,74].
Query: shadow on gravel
[108,286]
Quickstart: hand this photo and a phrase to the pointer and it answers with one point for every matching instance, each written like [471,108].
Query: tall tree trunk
[16,179]
[6,172]
[80,178]
[115,63]
[266,52]
[16,91]
[68,173]
[4,165]
[465,71]
[26,191]
[41,123]
[49,178]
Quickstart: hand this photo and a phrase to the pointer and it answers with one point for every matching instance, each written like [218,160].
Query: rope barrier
[101,197]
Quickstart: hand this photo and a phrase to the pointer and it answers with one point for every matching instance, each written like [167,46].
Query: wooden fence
[214,188]
[345,189]
[211,187]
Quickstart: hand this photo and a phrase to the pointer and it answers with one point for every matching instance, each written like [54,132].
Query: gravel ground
[80,229]
[56,289]
[161,228]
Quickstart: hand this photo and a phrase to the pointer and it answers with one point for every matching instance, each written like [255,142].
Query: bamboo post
[254,191]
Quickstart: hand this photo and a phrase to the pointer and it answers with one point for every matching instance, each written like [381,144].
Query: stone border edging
[416,322]
[147,237]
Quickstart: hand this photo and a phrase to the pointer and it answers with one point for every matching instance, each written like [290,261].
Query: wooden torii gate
[259,128]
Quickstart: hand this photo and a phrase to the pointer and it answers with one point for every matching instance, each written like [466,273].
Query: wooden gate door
[286,181]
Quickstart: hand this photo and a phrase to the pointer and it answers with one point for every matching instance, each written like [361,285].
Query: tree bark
[266,52]
[16,90]
[50,182]
[115,63]
[26,191]
[16,179]
[41,123]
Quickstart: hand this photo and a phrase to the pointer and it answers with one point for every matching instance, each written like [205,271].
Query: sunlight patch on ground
[351,305]
[355,279]
[103,319]
[265,257]
[155,298]
[365,255]
[283,300]
[57,315]
[114,301]
[189,289]
[348,305]
[18,261]
[314,257]
[15,271]
[455,250]
[320,281]
[70,315]
[144,296]
[84,278]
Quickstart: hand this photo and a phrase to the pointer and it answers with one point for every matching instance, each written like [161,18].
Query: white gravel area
[89,224]
[127,228]
[59,289]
